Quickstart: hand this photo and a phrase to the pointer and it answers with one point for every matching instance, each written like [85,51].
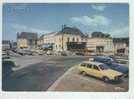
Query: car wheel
[106,79]
[84,73]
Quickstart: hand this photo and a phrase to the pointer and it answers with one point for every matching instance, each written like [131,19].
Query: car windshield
[103,67]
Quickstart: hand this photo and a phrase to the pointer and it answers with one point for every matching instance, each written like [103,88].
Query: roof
[103,57]
[46,34]
[28,35]
[122,40]
[92,62]
[49,33]
[100,35]
[71,30]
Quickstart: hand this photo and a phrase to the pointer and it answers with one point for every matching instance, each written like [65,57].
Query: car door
[89,69]
[96,71]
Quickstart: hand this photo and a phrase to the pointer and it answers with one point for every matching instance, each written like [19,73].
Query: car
[122,61]
[79,53]
[99,70]
[112,64]
[49,52]
[7,67]
[63,53]
[103,59]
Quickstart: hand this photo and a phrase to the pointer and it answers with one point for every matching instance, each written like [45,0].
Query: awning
[47,46]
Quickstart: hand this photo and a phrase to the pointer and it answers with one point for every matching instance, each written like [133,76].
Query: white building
[46,39]
[100,46]
[69,39]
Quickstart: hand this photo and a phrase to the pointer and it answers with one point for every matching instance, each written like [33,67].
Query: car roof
[106,57]
[92,62]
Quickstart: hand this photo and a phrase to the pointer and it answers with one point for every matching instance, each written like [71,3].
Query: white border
[78,95]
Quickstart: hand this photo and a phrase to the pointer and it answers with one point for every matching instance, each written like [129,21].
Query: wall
[59,43]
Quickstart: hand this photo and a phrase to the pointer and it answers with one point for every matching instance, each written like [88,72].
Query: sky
[46,18]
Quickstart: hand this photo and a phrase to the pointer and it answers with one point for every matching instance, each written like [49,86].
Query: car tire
[84,73]
[105,79]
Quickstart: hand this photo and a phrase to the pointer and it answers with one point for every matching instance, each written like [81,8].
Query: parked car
[7,67]
[79,53]
[63,53]
[112,64]
[99,70]
[49,52]
[122,61]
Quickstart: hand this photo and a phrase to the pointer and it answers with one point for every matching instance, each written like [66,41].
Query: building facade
[69,39]
[6,44]
[26,40]
[100,46]
[47,40]
[121,46]
[22,43]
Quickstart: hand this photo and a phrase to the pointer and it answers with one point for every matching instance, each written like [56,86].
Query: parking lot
[76,82]
[40,73]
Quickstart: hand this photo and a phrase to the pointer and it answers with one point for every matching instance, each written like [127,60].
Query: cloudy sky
[45,18]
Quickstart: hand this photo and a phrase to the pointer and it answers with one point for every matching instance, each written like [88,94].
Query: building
[26,40]
[22,43]
[47,41]
[13,45]
[100,43]
[121,46]
[6,44]
[70,39]
[100,46]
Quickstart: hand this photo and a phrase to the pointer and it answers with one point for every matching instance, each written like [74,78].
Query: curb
[56,83]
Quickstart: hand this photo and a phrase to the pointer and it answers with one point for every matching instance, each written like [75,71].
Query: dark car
[7,66]
[79,53]
[112,64]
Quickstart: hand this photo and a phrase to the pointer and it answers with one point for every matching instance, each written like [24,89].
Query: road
[40,75]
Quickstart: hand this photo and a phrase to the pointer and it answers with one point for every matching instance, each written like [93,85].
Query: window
[73,39]
[59,39]
[77,39]
[59,46]
[103,67]
[95,67]
[89,65]
[83,64]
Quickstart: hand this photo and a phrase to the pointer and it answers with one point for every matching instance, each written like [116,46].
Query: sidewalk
[73,81]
